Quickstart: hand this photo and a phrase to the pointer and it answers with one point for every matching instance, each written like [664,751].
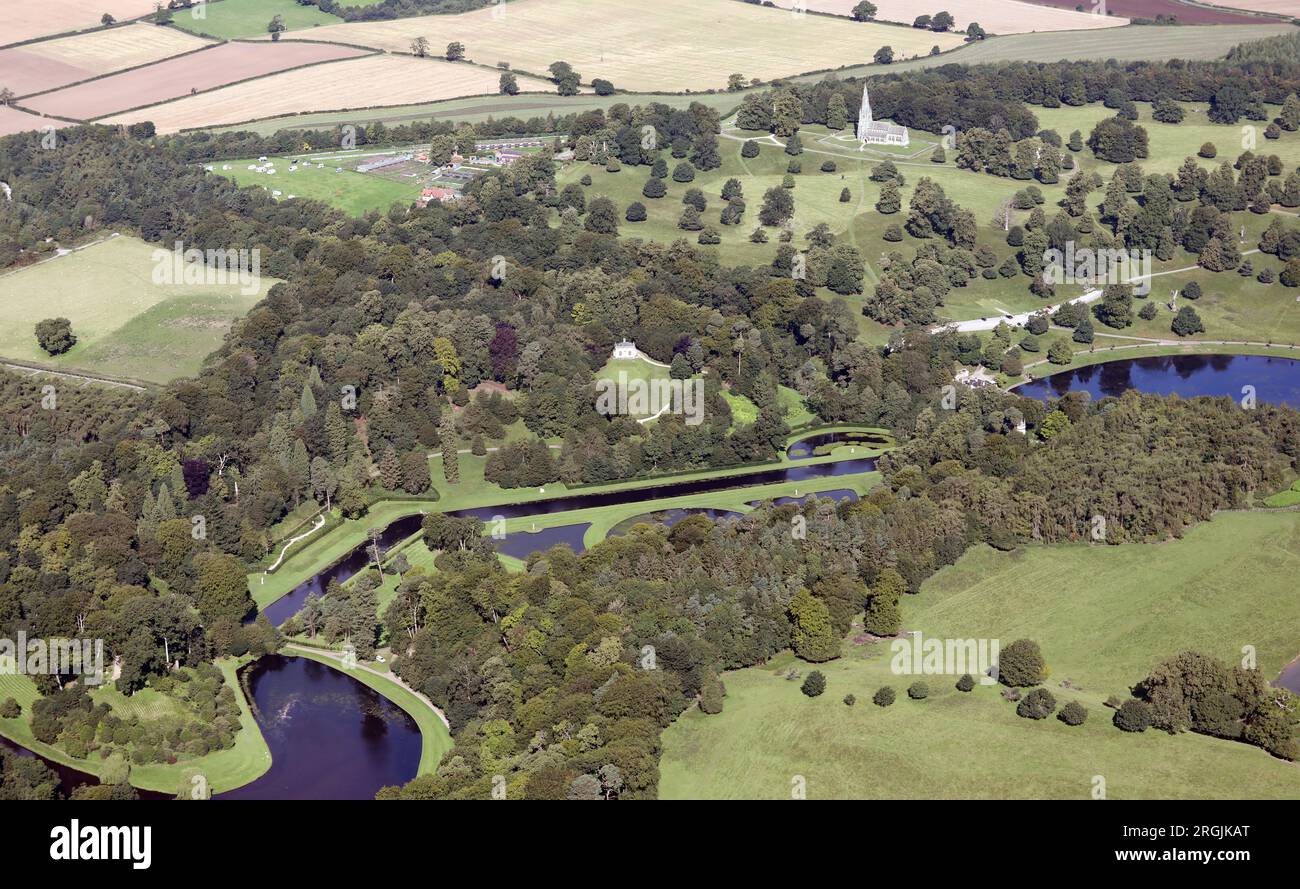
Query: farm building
[441,195]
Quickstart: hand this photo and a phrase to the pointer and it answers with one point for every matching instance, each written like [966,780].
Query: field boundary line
[35,369]
[179,55]
[225,86]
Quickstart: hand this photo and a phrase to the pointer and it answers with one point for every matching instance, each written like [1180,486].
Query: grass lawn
[1103,616]
[1289,497]
[224,769]
[638,376]
[230,19]
[352,192]
[126,325]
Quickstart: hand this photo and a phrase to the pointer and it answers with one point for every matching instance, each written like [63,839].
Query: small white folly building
[878,132]
[625,349]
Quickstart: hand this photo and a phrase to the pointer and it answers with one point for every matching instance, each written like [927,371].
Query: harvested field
[14,121]
[174,78]
[994,16]
[642,46]
[52,63]
[24,21]
[351,83]
[1149,9]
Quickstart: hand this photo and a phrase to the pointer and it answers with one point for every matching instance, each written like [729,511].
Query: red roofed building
[441,195]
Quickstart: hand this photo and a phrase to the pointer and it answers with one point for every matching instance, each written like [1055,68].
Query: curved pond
[331,737]
[807,447]
[1276,380]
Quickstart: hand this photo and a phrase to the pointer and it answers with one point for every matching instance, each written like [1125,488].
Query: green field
[352,192]
[231,19]
[1103,616]
[125,324]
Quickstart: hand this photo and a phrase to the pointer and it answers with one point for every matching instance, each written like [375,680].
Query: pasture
[350,191]
[25,21]
[994,16]
[647,47]
[233,19]
[1102,615]
[53,63]
[351,83]
[126,325]
[174,78]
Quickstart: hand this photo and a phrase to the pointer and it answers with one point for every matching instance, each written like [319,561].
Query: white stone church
[878,132]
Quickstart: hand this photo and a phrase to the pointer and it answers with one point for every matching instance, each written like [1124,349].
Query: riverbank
[1120,351]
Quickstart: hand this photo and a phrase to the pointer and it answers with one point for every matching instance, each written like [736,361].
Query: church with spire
[878,132]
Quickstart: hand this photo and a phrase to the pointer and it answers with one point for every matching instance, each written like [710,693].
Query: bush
[828,166]
[918,691]
[636,212]
[1073,713]
[1191,290]
[749,149]
[654,188]
[1038,704]
[710,236]
[845,196]
[711,695]
[883,697]
[1133,716]
[1021,664]
[1148,311]
[893,233]
[684,172]
[966,682]
[1208,150]
[814,685]
[55,336]
[850,700]
[10,709]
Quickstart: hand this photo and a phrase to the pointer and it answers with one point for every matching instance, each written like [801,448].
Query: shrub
[1073,713]
[814,685]
[10,709]
[1208,150]
[828,166]
[845,196]
[850,700]
[1038,704]
[1148,311]
[654,188]
[1021,664]
[636,212]
[1133,716]
[918,691]
[966,682]
[883,697]
[749,149]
